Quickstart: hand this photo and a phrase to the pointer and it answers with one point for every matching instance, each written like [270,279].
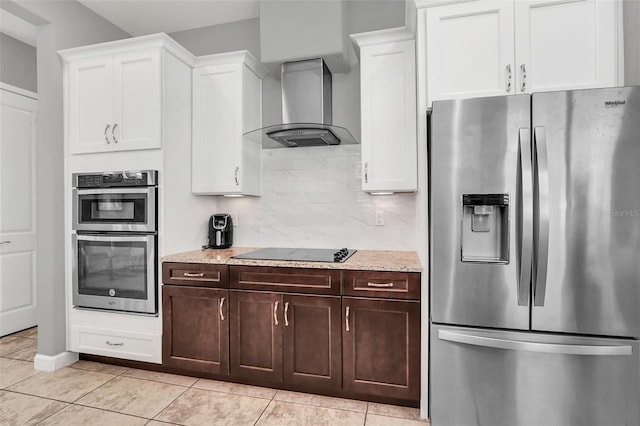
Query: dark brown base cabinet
[381,347]
[284,338]
[195,334]
[266,326]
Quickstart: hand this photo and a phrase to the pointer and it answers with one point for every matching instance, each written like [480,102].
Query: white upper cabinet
[227,102]
[564,44]
[469,50]
[113,94]
[388,110]
[492,47]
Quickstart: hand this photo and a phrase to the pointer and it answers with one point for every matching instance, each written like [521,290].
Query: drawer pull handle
[275,313]
[380,285]
[114,344]
[347,320]
[194,274]
[220,309]
[286,314]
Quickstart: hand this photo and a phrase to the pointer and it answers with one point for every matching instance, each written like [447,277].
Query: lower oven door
[115,271]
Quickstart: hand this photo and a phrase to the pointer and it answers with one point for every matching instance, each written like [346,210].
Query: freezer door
[479,237]
[587,226]
[482,377]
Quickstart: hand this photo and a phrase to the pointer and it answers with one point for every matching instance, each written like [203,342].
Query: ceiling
[140,17]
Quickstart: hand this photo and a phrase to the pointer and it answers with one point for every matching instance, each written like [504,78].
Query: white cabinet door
[17,213]
[217,130]
[137,100]
[565,44]
[388,109]
[469,50]
[90,100]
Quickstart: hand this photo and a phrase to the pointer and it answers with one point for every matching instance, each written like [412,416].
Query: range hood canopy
[306,110]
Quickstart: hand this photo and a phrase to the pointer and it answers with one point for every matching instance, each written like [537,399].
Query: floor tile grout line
[53,414]
[111,411]
[264,410]
[172,401]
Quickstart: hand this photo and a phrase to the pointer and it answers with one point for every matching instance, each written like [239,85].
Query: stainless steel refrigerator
[535,259]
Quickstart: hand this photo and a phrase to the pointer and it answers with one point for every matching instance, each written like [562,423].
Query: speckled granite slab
[363,260]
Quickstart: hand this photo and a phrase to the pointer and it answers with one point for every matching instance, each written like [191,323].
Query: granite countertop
[363,260]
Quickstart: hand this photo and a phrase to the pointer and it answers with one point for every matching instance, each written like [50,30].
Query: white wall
[311,197]
[17,63]
[631,18]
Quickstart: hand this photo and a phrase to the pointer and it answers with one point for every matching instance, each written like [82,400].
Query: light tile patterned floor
[90,393]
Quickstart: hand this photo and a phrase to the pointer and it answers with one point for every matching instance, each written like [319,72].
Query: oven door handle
[119,190]
[111,237]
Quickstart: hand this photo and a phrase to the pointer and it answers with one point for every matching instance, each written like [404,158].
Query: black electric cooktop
[298,254]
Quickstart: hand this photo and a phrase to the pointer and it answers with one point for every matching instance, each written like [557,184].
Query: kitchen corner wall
[312,197]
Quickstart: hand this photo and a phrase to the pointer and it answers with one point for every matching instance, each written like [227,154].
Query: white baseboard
[55,362]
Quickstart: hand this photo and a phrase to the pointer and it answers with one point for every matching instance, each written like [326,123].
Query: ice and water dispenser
[485,228]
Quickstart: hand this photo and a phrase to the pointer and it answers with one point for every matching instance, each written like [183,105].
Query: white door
[217,125]
[563,45]
[89,101]
[470,50]
[17,212]
[388,99]
[136,100]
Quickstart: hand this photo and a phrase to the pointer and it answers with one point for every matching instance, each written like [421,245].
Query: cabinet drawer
[195,274]
[293,280]
[117,344]
[395,285]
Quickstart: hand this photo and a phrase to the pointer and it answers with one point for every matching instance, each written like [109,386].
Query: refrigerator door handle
[525,232]
[518,345]
[541,227]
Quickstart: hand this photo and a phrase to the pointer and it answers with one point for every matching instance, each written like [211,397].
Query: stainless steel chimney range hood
[306,110]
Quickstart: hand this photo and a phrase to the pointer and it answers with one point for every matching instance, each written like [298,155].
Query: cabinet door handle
[5,242]
[381,285]
[113,135]
[346,320]
[220,309]
[523,68]
[114,344]
[235,176]
[106,129]
[366,172]
[193,274]
[275,313]
[509,78]
[286,314]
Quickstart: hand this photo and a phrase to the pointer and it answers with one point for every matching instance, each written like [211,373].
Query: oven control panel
[115,179]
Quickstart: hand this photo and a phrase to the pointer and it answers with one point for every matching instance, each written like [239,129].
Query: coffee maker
[220,231]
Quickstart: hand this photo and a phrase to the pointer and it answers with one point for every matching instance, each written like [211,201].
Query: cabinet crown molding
[388,35]
[240,56]
[160,40]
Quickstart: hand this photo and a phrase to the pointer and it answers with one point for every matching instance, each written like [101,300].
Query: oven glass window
[117,268]
[113,208]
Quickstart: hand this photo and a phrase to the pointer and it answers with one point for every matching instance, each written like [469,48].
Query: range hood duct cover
[306,109]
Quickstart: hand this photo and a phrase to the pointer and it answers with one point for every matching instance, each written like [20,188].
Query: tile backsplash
[312,197]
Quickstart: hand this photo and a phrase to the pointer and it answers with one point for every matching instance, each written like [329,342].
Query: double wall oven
[115,262]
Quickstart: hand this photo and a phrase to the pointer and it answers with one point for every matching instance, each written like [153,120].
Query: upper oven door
[115,209]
